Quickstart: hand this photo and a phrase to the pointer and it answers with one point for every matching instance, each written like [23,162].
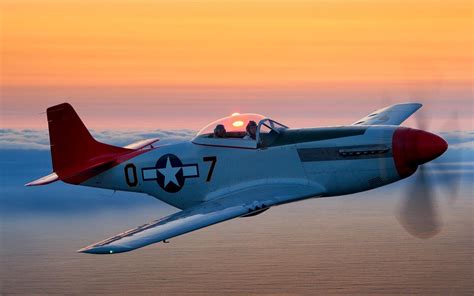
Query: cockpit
[247,130]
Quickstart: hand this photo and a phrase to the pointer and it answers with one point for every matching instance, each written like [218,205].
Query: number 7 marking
[213,161]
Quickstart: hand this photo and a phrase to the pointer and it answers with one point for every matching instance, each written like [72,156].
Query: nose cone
[412,147]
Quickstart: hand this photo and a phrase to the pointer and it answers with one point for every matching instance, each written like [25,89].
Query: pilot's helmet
[251,124]
[220,127]
[219,130]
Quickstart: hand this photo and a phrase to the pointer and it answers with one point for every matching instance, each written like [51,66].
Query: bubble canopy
[234,125]
[235,131]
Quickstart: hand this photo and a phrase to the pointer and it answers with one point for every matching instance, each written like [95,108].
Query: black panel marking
[295,136]
[344,153]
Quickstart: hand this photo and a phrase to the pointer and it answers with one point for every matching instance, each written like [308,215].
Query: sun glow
[238,123]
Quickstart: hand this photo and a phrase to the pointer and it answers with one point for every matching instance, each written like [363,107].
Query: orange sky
[177,55]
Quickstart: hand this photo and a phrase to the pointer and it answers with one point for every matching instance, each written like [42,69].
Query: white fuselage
[340,164]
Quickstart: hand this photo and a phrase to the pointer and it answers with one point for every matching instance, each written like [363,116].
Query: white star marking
[170,173]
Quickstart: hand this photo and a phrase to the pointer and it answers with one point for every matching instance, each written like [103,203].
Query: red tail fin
[73,149]
[76,155]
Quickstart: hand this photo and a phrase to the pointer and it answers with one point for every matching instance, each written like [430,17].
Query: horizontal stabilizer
[142,144]
[44,180]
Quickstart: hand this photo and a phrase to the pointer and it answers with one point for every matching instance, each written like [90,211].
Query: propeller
[418,212]
[451,180]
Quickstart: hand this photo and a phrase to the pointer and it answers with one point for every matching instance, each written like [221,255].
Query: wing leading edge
[391,115]
[205,214]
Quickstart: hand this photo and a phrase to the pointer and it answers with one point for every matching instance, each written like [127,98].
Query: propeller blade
[448,176]
[422,122]
[452,179]
[418,213]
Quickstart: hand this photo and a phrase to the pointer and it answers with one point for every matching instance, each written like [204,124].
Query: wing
[391,115]
[232,205]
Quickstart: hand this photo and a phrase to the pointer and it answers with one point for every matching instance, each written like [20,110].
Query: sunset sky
[136,69]
[181,64]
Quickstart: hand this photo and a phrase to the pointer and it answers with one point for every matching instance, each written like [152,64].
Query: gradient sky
[141,65]
[181,64]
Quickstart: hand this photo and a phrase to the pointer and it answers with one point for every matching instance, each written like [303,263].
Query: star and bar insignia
[170,173]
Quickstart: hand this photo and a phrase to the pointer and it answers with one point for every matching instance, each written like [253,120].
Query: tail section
[72,146]
[75,154]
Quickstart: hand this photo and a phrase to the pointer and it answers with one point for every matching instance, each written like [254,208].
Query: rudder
[72,146]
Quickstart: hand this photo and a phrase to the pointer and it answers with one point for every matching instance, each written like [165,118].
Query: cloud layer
[32,139]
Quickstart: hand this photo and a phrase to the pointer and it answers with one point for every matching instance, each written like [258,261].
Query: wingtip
[89,250]
[104,250]
[83,250]
[416,104]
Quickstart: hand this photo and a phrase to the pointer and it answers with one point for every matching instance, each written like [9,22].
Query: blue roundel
[169,173]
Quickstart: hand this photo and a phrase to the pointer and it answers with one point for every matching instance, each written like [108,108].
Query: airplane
[215,177]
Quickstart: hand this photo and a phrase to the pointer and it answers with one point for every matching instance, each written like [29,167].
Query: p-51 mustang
[222,173]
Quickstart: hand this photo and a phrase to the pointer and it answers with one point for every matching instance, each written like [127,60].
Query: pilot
[219,131]
[251,131]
